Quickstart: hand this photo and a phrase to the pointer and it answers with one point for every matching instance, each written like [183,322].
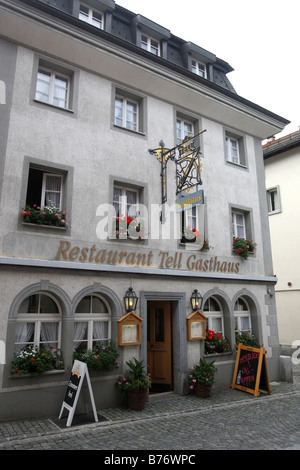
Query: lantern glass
[130,300]
[196,300]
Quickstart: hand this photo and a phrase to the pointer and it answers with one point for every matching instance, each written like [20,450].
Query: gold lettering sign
[162,260]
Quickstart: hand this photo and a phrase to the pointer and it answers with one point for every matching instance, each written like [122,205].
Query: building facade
[87,89]
[282,158]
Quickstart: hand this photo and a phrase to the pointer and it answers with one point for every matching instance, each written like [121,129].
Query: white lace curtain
[100,332]
[53,191]
[24,332]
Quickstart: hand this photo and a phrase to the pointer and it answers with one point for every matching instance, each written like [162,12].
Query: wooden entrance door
[159,345]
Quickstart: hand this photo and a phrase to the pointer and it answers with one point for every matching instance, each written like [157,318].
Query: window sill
[28,224]
[68,110]
[238,165]
[47,372]
[218,354]
[130,130]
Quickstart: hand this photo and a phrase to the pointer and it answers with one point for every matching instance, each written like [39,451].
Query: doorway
[160,345]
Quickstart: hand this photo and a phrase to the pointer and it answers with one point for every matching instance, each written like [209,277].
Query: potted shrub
[135,385]
[201,378]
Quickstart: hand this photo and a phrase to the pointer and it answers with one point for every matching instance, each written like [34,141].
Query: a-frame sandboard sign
[79,372]
[250,372]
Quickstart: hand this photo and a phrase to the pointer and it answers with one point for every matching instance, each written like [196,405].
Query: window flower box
[35,361]
[47,216]
[243,247]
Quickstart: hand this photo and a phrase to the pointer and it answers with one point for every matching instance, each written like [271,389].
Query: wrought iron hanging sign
[187,161]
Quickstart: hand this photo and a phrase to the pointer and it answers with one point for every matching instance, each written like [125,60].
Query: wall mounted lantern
[196,300]
[130,300]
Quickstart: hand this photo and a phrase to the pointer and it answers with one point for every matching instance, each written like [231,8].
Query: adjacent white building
[282,166]
[89,88]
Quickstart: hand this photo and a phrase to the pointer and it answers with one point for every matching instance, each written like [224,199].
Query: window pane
[117,201]
[47,305]
[100,331]
[24,335]
[97,19]
[245,323]
[43,86]
[84,305]
[131,115]
[49,335]
[30,305]
[53,186]
[216,325]
[80,336]
[118,111]
[98,306]
[159,325]
[60,92]
[131,201]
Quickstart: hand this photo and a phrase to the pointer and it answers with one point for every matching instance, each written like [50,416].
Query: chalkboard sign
[79,372]
[250,372]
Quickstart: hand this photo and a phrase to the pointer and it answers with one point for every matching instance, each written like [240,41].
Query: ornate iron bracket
[188,165]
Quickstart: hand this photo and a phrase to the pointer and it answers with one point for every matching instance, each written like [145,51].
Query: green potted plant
[201,378]
[135,385]
[243,247]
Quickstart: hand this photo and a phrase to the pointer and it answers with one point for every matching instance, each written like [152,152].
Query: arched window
[92,323]
[38,322]
[214,313]
[242,316]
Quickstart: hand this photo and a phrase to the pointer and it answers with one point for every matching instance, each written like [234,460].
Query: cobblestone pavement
[228,420]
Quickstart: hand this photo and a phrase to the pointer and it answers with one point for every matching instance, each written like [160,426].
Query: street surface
[230,420]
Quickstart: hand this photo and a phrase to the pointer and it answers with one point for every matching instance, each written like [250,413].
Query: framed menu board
[250,372]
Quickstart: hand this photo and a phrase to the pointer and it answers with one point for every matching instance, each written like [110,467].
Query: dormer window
[198,68]
[91,16]
[150,44]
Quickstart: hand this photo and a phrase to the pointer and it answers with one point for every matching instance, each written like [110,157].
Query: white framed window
[150,44]
[242,316]
[232,150]
[273,199]
[183,129]
[38,322]
[238,224]
[126,113]
[45,189]
[52,87]
[91,16]
[190,225]
[214,313]
[199,68]
[92,324]
[52,190]
[125,202]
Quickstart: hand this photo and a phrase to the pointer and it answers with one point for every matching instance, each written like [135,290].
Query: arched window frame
[240,314]
[213,314]
[38,319]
